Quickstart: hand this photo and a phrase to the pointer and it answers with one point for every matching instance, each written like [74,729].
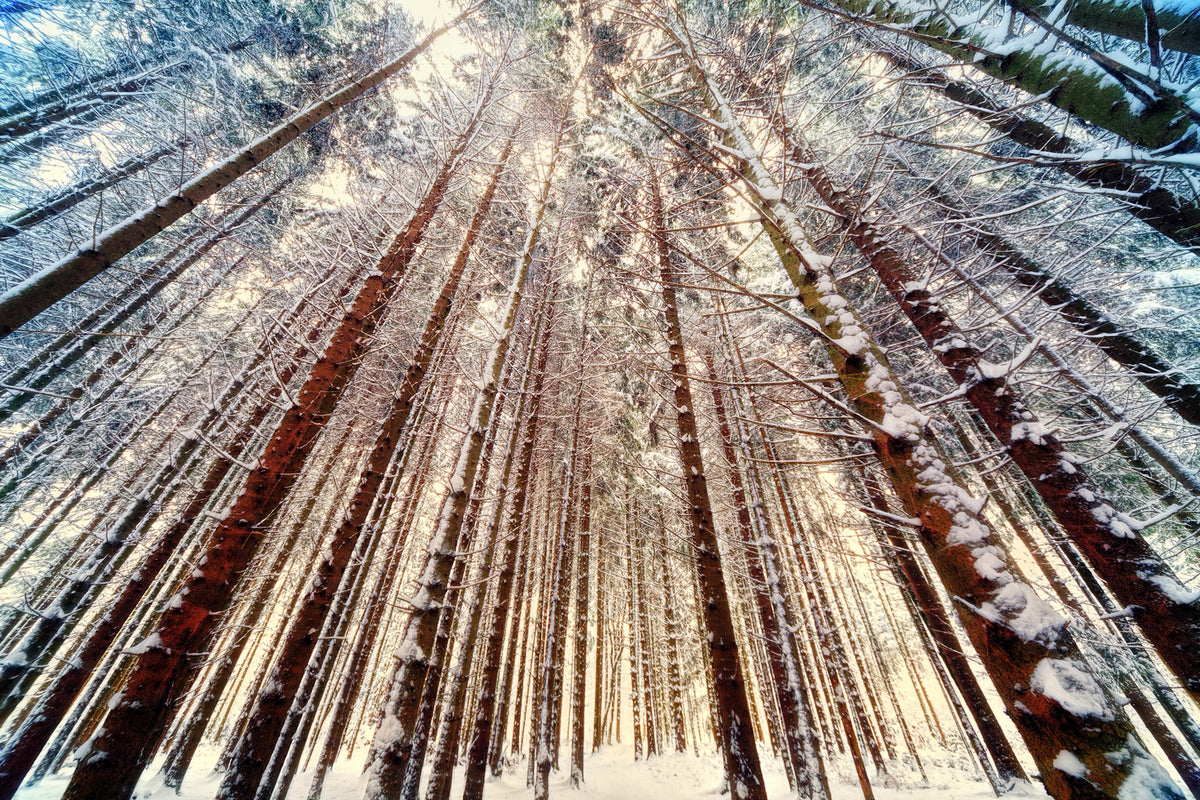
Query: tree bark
[391,748]
[254,768]
[740,750]
[161,672]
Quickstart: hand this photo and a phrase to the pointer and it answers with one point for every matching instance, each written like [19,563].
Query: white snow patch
[1176,591]
[1018,606]
[1069,763]
[1068,683]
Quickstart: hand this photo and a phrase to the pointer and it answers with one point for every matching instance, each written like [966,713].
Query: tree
[726,375]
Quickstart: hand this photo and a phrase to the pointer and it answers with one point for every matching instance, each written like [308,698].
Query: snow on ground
[611,774]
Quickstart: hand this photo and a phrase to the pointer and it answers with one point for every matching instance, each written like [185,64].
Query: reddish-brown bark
[160,673]
[1135,573]
[739,747]
[252,758]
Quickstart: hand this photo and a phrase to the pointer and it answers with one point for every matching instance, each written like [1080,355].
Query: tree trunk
[807,767]
[1020,640]
[1180,26]
[583,576]
[1158,117]
[506,548]
[160,673]
[253,770]
[1135,573]
[390,750]
[740,750]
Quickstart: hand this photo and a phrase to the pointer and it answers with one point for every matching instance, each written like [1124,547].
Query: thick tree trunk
[1179,25]
[1159,118]
[1135,573]
[1019,638]
[472,651]
[390,750]
[161,672]
[1180,393]
[253,770]
[948,648]
[740,750]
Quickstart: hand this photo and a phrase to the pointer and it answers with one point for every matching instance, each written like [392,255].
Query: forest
[416,400]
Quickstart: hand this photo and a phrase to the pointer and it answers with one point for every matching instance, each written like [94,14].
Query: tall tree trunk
[1180,26]
[674,676]
[161,671]
[1019,638]
[583,576]
[808,770]
[506,549]
[253,770]
[1151,116]
[1111,541]
[635,644]
[740,750]
[1180,393]
[391,748]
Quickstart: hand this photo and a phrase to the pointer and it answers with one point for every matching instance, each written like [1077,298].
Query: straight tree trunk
[674,677]
[583,576]
[1179,392]
[1133,571]
[1150,117]
[433,420]
[742,768]
[253,770]
[1179,25]
[1020,640]
[808,768]
[635,590]
[506,548]
[390,750]
[161,671]
[598,694]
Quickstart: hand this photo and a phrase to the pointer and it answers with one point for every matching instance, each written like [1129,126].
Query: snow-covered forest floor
[612,774]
